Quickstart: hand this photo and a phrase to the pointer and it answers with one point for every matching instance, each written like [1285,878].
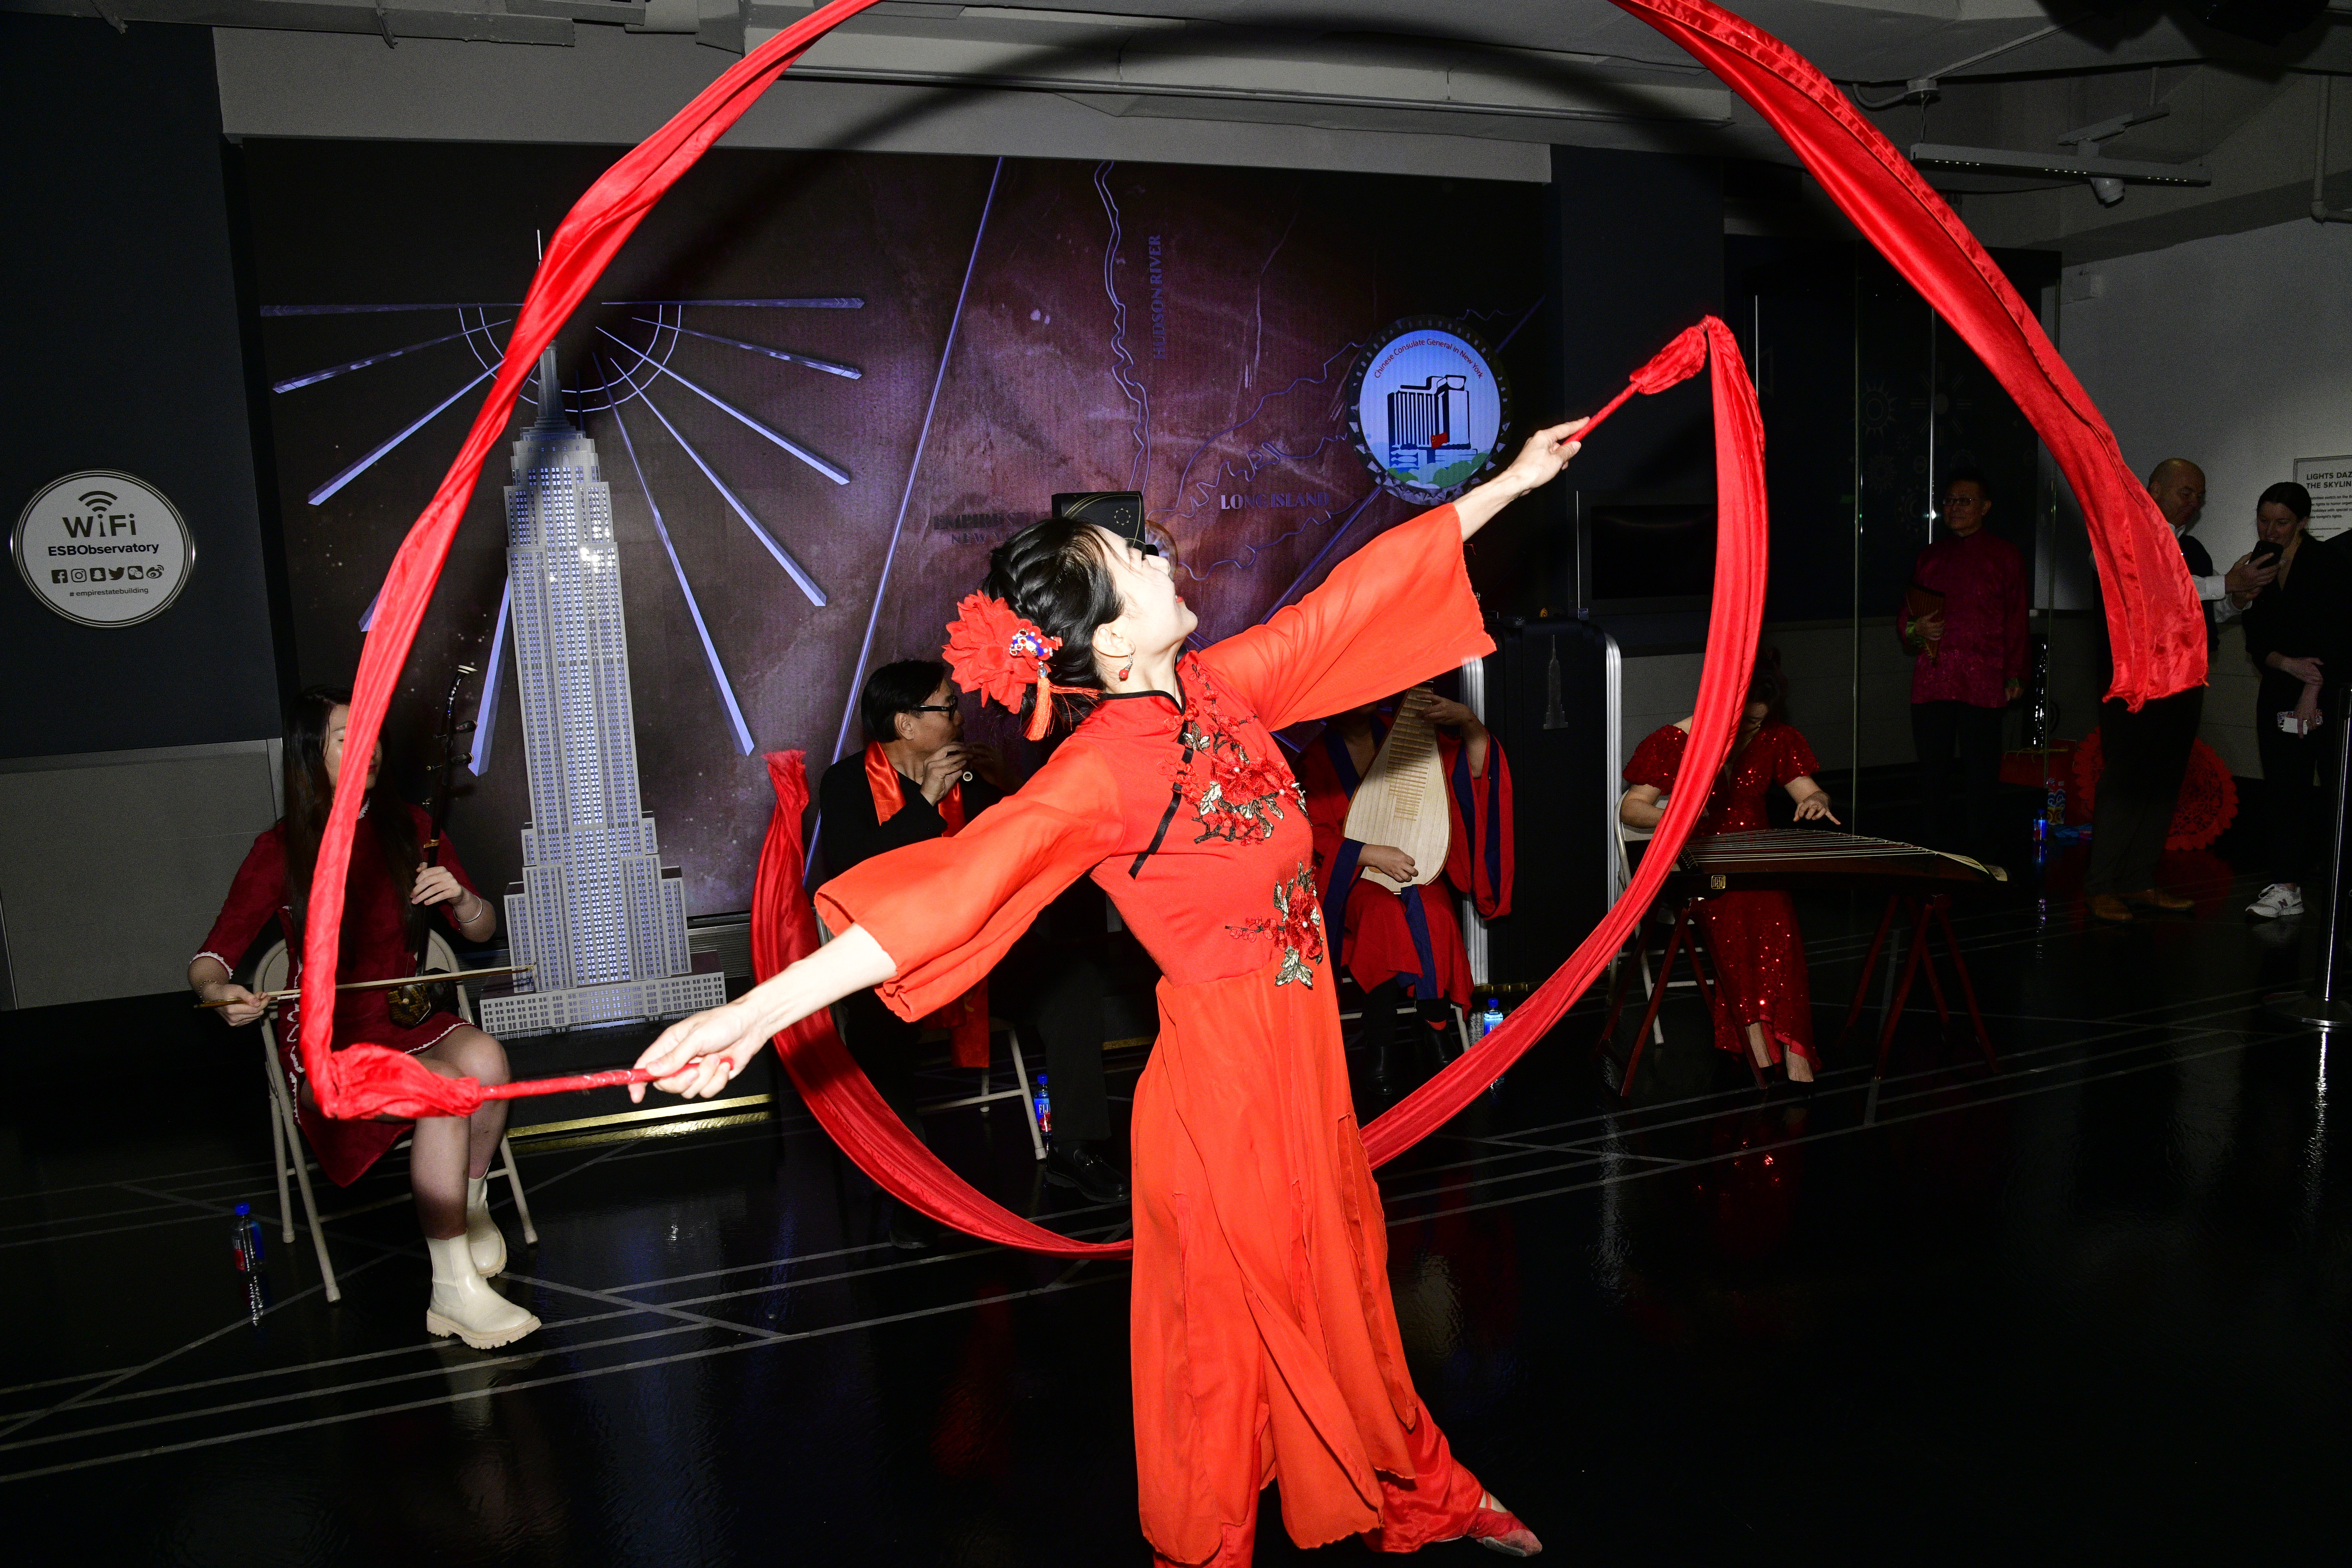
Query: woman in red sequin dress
[393,887]
[1262,1340]
[1758,952]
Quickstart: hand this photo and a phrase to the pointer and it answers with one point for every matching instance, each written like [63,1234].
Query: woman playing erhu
[1264,1343]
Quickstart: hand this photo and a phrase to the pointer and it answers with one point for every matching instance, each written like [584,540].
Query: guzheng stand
[2325,1011]
[1684,938]
[1929,913]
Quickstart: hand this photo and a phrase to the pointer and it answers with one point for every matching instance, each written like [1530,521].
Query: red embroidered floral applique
[1296,925]
[1236,798]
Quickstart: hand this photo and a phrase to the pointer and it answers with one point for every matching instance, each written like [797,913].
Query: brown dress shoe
[2158,899]
[2108,907]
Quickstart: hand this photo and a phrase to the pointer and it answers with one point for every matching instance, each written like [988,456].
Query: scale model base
[507,1014]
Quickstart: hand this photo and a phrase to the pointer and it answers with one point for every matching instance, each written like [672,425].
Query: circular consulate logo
[1427,408]
[102,549]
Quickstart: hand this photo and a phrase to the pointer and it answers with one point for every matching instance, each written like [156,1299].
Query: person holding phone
[2295,634]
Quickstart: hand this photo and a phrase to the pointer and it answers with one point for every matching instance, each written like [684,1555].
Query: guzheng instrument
[1401,801]
[1799,857]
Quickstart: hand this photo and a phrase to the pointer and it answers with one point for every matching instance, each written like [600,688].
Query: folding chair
[1018,1089]
[1624,838]
[286,1130]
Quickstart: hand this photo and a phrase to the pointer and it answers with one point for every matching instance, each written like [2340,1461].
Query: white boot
[463,1306]
[483,1238]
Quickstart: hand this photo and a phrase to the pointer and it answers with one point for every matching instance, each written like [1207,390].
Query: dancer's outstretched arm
[700,1054]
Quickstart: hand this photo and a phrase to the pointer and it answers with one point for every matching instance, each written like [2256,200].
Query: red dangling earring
[1126,669]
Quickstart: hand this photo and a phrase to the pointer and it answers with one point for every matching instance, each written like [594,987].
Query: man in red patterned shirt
[1970,664]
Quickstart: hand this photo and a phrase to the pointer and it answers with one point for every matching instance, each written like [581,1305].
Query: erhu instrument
[411,1003]
[1403,800]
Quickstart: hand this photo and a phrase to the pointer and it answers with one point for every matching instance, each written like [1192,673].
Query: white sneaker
[483,1238]
[464,1305]
[2278,899]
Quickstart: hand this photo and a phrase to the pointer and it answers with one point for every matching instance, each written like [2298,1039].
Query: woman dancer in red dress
[1760,954]
[1264,1343]
[449,1160]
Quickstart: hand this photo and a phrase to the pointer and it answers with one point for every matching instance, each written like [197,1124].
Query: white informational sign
[101,549]
[2329,480]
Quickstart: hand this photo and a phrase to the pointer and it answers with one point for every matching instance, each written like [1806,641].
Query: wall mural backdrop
[823,386]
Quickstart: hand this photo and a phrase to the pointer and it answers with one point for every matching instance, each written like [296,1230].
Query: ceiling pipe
[1927,85]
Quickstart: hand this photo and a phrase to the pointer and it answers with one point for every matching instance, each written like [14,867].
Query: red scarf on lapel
[966,1018]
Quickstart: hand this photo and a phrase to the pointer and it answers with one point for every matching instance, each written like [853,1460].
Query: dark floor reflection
[2091,1306]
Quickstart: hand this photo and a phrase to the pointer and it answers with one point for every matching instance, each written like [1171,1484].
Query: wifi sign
[103,549]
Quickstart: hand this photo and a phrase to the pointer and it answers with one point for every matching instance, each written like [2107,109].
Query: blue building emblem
[1427,408]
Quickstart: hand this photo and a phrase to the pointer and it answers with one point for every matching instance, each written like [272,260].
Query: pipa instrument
[1401,801]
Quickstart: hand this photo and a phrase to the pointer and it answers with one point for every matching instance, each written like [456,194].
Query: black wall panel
[123,351]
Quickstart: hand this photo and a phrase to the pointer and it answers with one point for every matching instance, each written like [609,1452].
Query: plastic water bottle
[1042,1103]
[245,1241]
[245,1251]
[1492,1018]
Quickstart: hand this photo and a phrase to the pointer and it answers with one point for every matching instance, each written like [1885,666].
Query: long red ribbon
[2156,633]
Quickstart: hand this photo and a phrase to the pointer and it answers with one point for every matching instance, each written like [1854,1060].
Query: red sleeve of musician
[253,900]
[1395,613]
[1792,759]
[1480,857]
[1657,759]
[1327,811]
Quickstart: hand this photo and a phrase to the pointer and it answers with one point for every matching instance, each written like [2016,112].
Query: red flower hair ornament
[1000,654]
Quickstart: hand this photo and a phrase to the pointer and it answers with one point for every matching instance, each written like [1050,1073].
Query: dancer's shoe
[463,1304]
[483,1238]
[1496,1529]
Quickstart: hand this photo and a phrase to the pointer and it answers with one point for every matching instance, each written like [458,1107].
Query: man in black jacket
[918,776]
[2147,753]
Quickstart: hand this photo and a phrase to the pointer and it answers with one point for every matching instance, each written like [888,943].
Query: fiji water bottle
[1492,1018]
[1042,1103]
[245,1251]
[245,1241]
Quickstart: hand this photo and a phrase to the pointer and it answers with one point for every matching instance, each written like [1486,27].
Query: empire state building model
[597,917]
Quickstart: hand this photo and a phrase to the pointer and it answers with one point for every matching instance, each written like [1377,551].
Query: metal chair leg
[1028,1095]
[1650,1016]
[277,1165]
[310,1203]
[514,1186]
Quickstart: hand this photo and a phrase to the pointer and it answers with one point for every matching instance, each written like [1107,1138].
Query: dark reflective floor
[2095,1307]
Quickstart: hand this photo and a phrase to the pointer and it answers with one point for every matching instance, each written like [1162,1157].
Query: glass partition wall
[1870,402]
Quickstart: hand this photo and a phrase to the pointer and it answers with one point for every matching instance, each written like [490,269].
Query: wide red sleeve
[946,909]
[1481,855]
[254,898]
[1395,614]
[1657,759]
